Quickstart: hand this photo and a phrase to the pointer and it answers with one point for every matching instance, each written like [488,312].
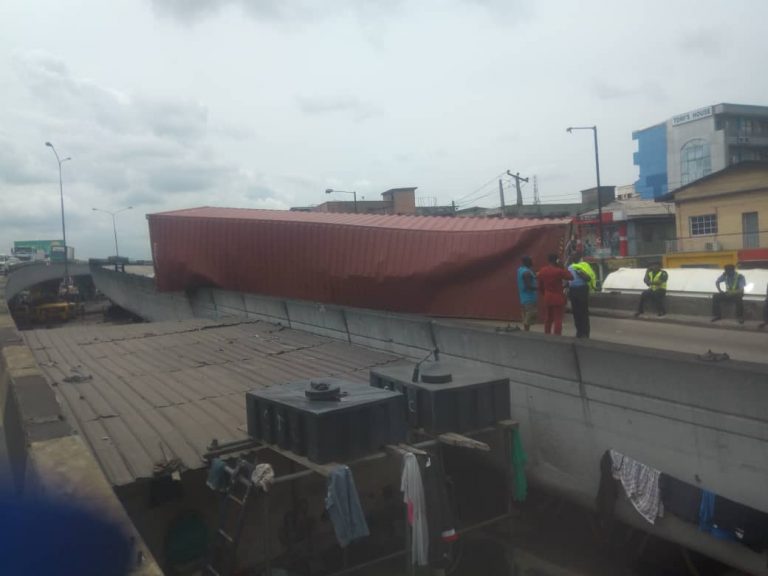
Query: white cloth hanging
[413,495]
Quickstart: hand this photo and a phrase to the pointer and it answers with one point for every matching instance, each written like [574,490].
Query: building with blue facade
[651,158]
[695,144]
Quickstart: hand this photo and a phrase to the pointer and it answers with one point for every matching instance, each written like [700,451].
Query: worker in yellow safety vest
[734,292]
[656,280]
[584,282]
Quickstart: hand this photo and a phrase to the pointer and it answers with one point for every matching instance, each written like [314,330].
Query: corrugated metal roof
[145,393]
[437,223]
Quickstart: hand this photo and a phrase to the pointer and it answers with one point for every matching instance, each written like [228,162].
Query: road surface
[749,345]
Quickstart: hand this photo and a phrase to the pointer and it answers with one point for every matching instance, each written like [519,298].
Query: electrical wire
[506,183]
[464,198]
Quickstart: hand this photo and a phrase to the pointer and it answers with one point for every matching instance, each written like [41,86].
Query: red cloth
[551,284]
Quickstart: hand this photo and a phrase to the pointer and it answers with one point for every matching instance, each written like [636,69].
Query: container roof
[437,223]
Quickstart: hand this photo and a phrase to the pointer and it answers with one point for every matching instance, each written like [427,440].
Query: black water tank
[299,417]
[449,396]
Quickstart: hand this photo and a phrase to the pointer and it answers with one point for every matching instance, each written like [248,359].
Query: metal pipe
[63,225]
[353,192]
[368,564]
[484,523]
[114,224]
[599,198]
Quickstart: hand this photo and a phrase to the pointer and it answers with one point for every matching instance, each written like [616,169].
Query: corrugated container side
[458,272]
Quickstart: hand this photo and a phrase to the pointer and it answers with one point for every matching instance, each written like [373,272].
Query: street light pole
[63,225]
[354,195]
[597,170]
[114,223]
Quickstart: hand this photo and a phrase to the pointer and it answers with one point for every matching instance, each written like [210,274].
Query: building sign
[692,115]
[33,246]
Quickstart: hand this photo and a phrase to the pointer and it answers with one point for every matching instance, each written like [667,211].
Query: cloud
[322,105]
[20,167]
[608,91]
[146,143]
[706,43]
[127,149]
[178,120]
[192,10]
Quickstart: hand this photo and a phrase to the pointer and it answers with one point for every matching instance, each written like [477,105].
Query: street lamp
[63,226]
[354,194]
[597,170]
[114,224]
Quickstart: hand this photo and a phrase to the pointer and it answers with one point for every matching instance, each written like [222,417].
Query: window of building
[695,160]
[703,225]
[745,126]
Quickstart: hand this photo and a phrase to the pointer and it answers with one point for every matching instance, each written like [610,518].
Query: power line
[492,180]
[476,199]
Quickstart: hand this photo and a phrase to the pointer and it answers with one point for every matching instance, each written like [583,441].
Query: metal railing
[718,242]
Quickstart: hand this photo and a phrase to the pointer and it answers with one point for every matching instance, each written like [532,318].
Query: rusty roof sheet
[436,223]
[143,394]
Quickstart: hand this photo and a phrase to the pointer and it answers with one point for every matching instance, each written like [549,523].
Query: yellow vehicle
[61,311]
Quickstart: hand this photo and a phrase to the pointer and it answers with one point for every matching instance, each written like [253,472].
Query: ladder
[223,553]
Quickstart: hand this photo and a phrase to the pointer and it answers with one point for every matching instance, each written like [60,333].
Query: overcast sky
[166,104]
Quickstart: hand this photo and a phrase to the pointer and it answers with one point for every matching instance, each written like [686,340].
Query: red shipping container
[438,266]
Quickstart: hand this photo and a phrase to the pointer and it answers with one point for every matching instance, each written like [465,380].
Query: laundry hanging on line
[343,506]
[412,487]
[439,511]
[641,485]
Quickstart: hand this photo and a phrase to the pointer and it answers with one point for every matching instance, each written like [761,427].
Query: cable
[463,198]
[475,200]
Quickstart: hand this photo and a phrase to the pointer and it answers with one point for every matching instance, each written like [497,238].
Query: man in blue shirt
[526,288]
[734,292]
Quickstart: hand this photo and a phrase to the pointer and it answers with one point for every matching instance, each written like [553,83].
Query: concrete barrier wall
[25,277]
[702,422]
[697,420]
[137,294]
[684,305]
[41,456]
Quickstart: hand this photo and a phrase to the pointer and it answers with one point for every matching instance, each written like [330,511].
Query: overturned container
[326,419]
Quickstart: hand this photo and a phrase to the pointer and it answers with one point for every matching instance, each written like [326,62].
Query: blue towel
[218,478]
[706,518]
[343,506]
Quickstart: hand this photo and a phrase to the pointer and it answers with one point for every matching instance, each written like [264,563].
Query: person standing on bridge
[734,292]
[526,287]
[552,278]
[656,280]
[583,283]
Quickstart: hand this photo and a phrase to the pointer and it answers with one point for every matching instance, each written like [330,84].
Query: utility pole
[518,179]
[501,197]
[61,161]
[536,199]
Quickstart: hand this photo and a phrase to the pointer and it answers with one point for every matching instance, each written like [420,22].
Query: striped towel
[641,483]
